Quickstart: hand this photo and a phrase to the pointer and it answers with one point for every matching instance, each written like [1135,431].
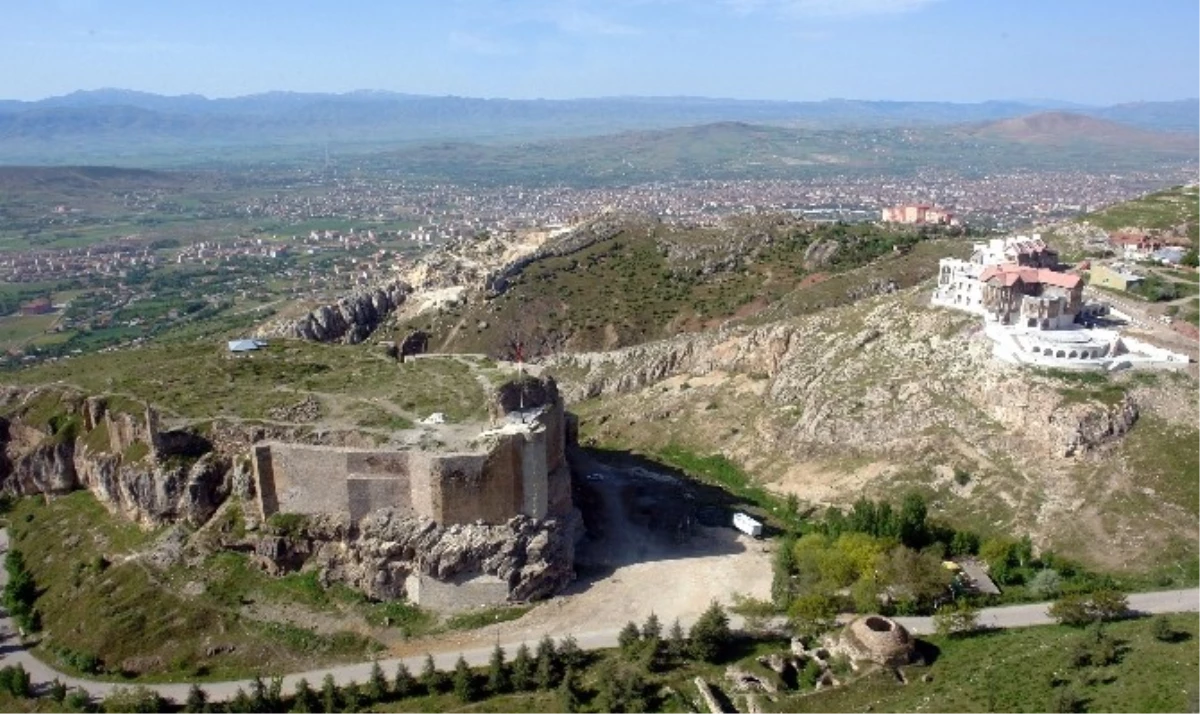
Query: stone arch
[1073,354]
[1060,354]
[1085,355]
[1032,322]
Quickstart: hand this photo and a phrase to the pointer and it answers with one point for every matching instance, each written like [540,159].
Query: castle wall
[458,594]
[519,468]
[478,487]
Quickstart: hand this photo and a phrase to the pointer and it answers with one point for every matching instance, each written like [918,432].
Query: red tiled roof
[1010,273]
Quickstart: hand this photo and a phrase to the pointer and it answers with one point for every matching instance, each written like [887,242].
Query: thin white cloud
[581,22]
[478,44]
[836,9]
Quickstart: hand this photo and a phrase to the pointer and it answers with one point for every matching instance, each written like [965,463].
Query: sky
[1084,51]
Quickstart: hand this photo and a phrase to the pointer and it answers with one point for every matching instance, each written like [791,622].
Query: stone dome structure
[878,639]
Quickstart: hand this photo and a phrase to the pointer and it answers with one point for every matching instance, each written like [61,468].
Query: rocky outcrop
[377,554]
[350,320]
[878,382]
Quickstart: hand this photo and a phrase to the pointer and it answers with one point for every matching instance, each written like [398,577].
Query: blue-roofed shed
[246,345]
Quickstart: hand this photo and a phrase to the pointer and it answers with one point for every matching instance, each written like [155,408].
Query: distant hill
[1060,128]
[112,125]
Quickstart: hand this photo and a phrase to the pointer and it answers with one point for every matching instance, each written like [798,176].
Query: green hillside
[1175,211]
[652,280]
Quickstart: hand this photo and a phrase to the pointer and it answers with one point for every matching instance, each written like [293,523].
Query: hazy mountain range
[116,125]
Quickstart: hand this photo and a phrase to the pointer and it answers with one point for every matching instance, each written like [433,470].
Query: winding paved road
[13,651]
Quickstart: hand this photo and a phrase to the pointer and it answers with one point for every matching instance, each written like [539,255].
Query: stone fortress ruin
[1035,313]
[457,521]
[491,472]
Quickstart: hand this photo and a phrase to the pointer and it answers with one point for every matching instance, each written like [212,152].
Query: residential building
[1115,277]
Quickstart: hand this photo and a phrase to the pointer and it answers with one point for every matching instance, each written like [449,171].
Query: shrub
[138,699]
[956,619]
[1046,584]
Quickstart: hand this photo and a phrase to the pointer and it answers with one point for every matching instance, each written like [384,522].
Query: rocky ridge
[350,320]
[909,370]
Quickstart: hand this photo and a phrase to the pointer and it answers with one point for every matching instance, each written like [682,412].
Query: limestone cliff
[350,320]
[870,383]
[136,471]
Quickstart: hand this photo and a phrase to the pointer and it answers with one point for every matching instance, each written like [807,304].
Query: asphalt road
[13,651]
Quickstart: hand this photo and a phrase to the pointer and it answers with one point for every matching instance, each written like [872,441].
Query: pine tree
[629,639]
[352,697]
[464,681]
[652,628]
[431,679]
[405,684]
[710,635]
[58,691]
[676,643]
[275,695]
[570,655]
[240,702]
[303,699]
[522,669]
[544,672]
[329,694]
[258,695]
[377,684]
[568,692]
[497,673]
[197,700]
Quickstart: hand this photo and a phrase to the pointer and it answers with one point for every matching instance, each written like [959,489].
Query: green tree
[569,697]
[621,689]
[304,700]
[258,695]
[15,680]
[964,543]
[58,691]
[628,640]
[652,628]
[676,642]
[497,681]
[79,700]
[197,699]
[329,694]
[911,525]
[546,666]
[570,654]
[783,569]
[404,685]
[275,694]
[522,669]
[1071,610]
[377,684]
[1108,605]
[710,635]
[352,697]
[431,678]
[464,681]
[809,675]
[1046,584]
[813,613]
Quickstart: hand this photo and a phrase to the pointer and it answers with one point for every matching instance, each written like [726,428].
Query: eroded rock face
[350,320]
[376,555]
[882,384]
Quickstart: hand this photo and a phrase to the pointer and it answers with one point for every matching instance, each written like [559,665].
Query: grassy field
[172,624]
[1023,670]
[355,384]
